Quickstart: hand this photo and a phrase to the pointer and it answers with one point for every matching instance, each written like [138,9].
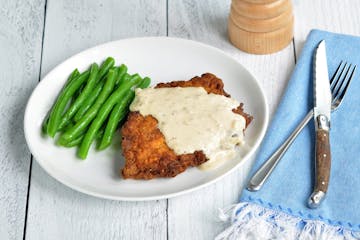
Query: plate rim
[156,196]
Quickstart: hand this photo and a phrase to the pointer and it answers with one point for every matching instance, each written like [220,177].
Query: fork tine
[347,84]
[335,75]
[335,82]
[340,83]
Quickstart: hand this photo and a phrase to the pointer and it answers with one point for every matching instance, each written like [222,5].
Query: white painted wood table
[36,35]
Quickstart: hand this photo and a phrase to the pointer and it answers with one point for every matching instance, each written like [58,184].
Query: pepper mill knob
[261,26]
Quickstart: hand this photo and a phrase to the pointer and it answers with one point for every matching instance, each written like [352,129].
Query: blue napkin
[284,196]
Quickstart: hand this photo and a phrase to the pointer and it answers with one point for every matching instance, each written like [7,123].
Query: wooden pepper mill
[261,26]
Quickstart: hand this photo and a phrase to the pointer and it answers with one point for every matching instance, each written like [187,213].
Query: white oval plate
[163,59]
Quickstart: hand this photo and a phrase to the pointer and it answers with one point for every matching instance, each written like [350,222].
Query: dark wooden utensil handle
[322,160]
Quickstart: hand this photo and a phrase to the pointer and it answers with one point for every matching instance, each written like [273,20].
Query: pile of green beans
[92,105]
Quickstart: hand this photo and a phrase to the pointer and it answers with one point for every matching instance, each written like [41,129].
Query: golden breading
[208,81]
[146,153]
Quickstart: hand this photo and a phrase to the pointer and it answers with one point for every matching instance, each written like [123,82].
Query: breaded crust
[208,81]
[146,153]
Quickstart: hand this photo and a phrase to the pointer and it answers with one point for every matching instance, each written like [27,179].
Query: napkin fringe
[253,221]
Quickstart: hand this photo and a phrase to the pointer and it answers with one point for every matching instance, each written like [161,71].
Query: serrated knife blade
[322,92]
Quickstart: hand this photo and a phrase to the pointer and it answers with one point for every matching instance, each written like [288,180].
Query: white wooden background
[36,35]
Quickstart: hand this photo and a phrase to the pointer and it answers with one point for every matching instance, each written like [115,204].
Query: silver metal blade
[322,92]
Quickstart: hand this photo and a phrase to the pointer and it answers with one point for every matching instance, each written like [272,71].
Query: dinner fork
[339,84]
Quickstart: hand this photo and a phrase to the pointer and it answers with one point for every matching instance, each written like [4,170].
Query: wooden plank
[55,211]
[194,216]
[341,16]
[21,28]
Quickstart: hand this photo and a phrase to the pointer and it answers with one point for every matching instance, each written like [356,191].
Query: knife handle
[322,164]
[323,160]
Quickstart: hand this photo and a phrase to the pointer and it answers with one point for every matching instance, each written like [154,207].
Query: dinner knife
[322,109]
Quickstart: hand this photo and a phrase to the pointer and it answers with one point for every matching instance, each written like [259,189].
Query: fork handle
[322,162]
[263,173]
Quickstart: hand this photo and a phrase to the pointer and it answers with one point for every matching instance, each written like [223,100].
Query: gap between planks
[31,156]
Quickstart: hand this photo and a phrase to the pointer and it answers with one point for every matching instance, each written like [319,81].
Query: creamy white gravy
[193,120]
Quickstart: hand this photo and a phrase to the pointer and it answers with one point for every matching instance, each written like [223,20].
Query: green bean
[45,125]
[104,112]
[99,134]
[105,67]
[125,78]
[75,131]
[72,76]
[122,70]
[61,102]
[117,114]
[75,73]
[63,142]
[89,101]
[78,92]
[72,143]
[144,83]
[79,139]
[94,70]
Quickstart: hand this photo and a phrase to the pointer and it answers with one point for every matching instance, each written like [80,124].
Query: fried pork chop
[146,153]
